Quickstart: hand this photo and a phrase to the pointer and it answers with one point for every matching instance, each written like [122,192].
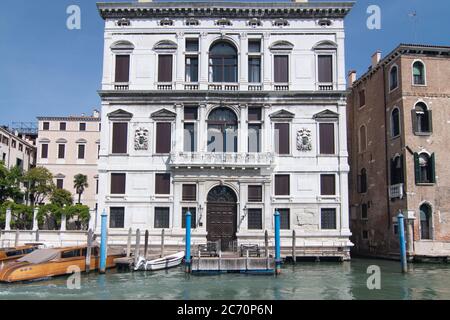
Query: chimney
[351,78]
[376,57]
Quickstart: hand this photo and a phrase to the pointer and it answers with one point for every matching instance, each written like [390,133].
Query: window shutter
[189,192]
[81,151]
[162,183]
[122,68]
[281,69]
[165,68]
[163,137]
[328,184]
[118,183]
[61,151]
[44,151]
[120,137]
[326,138]
[255,193]
[417,167]
[325,68]
[414,121]
[283,138]
[430,120]
[282,187]
[433,169]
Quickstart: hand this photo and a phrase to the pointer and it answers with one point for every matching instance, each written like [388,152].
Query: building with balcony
[231,111]
[16,150]
[68,146]
[398,121]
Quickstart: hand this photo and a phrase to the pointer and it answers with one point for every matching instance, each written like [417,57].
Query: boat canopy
[40,256]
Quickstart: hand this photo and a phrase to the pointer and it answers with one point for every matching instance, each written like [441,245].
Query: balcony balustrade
[217,159]
[121,86]
[396,191]
[224,87]
[325,86]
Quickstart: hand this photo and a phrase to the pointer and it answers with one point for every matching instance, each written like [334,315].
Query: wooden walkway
[231,263]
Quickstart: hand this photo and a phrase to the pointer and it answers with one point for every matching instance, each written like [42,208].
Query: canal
[322,280]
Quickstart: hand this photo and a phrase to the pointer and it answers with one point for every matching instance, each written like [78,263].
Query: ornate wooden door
[221,220]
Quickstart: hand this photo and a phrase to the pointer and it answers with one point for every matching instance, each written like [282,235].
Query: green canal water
[322,280]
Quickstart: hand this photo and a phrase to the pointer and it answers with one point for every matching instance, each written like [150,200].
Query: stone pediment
[282,45]
[120,115]
[326,114]
[282,115]
[165,45]
[164,114]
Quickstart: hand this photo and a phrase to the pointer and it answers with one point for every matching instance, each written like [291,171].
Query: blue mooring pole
[401,235]
[188,241]
[103,244]
[277,243]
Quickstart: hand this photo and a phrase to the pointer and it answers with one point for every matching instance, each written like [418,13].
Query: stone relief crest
[304,140]
[141,139]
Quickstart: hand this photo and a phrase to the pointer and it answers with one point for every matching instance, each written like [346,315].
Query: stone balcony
[396,191]
[222,160]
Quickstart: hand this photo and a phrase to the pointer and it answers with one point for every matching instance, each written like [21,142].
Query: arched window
[222,131]
[362,138]
[223,62]
[393,78]
[395,122]
[424,167]
[397,170]
[425,221]
[363,181]
[422,119]
[418,73]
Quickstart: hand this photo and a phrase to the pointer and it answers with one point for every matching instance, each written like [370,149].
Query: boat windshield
[40,256]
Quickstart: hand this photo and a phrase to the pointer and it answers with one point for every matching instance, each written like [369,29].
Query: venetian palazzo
[230,111]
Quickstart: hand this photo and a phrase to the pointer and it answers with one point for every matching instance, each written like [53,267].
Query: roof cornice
[211,9]
[87,119]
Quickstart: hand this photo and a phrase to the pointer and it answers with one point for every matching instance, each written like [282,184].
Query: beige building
[16,151]
[68,146]
[399,123]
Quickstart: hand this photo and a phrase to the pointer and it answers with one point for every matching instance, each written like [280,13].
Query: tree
[39,184]
[80,184]
[10,180]
[61,198]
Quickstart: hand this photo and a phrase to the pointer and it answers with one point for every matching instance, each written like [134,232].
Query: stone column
[243,61]
[203,63]
[35,221]
[343,168]
[202,129]
[179,79]
[267,129]
[177,197]
[8,220]
[268,212]
[179,127]
[267,62]
[63,222]
[243,129]
[409,237]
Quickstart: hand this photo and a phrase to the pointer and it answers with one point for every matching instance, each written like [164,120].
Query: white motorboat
[168,262]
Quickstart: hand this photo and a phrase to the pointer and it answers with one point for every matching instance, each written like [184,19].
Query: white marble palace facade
[230,110]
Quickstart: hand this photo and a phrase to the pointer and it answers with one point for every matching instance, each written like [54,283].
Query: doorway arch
[221,217]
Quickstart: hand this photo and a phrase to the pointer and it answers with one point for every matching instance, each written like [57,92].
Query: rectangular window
[82,126]
[365,235]
[20,147]
[165,68]
[255,219]
[62,126]
[191,69]
[61,151]
[254,46]
[282,140]
[162,218]
[254,114]
[44,151]
[328,184]
[59,183]
[120,137]
[362,98]
[190,113]
[282,185]
[163,137]
[328,219]
[192,45]
[81,151]
[118,183]
[122,68]
[254,138]
[285,219]
[117,217]
[325,68]
[254,69]
[364,215]
[162,183]
[326,132]
[46,126]
[189,192]
[281,69]
[193,212]
[254,193]
[13,144]
[190,141]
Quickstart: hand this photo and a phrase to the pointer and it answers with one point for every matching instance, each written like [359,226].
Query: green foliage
[21,215]
[39,184]
[10,180]
[80,184]
[61,198]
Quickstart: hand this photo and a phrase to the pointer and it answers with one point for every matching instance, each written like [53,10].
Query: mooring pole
[277,243]
[103,244]
[188,241]
[401,235]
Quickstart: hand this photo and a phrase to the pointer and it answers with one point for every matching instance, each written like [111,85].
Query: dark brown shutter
[162,183]
[122,68]
[61,151]
[282,187]
[281,69]
[59,183]
[118,183]
[163,137]
[44,151]
[255,193]
[189,192]
[325,68]
[120,137]
[254,114]
[328,185]
[81,151]
[165,68]
[326,138]
[190,113]
[283,137]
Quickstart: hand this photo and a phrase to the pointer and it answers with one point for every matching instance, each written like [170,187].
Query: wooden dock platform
[233,264]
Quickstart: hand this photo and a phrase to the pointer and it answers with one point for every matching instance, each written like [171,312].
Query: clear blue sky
[46,69]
